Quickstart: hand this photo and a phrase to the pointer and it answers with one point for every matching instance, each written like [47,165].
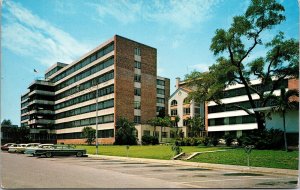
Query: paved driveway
[22,171]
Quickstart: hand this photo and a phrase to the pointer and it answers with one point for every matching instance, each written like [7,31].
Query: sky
[37,34]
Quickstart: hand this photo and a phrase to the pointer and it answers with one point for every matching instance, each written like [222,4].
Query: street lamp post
[97,120]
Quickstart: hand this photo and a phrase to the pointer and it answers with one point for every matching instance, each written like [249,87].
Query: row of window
[159,108]
[86,109]
[24,117]
[24,97]
[230,107]
[83,86]
[137,105]
[137,91]
[24,111]
[41,97]
[137,51]
[160,91]
[160,82]
[107,133]
[51,72]
[137,119]
[156,133]
[160,100]
[185,101]
[137,64]
[85,97]
[42,87]
[85,73]
[24,104]
[258,87]
[137,78]
[86,122]
[232,120]
[84,62]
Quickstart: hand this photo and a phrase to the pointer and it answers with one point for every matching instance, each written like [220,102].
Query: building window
[185,122]
[174,103]
[172,134]
[137,105]
[137,119]
[173,112]
[137,91]
[137,78]
[160,100]
[186,111]
[146,132]
[160,82]
[160,91]
[137,51]
[156,134]
[164,134]
[137,65]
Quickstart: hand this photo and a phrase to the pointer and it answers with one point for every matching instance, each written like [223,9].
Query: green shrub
[146,140]
[228,139]
[215,141]
[176,149]
[206,141]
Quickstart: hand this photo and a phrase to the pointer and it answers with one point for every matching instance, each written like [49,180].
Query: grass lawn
[163,152]
[258,158]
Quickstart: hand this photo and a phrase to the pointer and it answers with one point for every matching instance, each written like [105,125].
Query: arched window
[174,103]
[186,101]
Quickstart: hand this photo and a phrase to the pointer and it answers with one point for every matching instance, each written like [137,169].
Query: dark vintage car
[5,147]
[60,150]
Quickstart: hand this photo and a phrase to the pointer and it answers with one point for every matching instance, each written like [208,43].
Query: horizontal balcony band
[41,102]
[42,92]
[40,121]
[50,112]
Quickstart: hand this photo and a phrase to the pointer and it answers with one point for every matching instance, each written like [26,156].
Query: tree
[176,120]
[196,124]
[161,113]
[155,122]
[164,122]
[90,134]
[6,122]
[233,67]
[285,102]
[125,132]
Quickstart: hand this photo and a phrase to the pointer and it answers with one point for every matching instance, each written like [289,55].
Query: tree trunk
[160,133]
[284,132]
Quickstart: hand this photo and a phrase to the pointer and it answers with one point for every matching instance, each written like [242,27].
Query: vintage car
[13,148]
[5,147]
[29,145]
[30,150]
[60,150]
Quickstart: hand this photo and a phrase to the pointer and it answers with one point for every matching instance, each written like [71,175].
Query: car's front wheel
[48,155]
[79,154]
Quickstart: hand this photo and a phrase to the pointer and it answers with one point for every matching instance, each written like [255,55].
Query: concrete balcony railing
[42,92]
[41,121]
[41,102]
[50,112]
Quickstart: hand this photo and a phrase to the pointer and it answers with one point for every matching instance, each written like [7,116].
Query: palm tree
[155,122]
[286,101]
[176,120]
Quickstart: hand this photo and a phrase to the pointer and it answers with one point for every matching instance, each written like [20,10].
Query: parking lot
[23,171]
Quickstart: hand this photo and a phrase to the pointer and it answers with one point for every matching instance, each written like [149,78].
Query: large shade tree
[233,47]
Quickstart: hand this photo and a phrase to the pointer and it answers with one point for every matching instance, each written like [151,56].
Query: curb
[262,170]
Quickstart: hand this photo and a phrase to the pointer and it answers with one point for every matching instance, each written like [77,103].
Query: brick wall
[124,79]
[82,141]
[167,95]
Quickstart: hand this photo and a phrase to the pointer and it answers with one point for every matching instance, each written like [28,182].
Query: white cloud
[27,34]
[183,14]
[199,67]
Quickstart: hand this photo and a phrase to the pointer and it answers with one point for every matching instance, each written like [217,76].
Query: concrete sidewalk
[205,165]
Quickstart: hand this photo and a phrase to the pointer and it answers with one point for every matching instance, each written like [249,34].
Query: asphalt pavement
[22,171]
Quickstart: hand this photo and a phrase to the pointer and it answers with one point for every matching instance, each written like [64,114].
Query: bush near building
[147,139]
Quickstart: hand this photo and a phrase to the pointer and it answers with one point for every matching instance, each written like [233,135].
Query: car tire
[48,154]
[79,154]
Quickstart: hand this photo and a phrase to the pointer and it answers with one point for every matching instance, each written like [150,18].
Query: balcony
[42,92]
[41,121]
[50,112]
[41,102]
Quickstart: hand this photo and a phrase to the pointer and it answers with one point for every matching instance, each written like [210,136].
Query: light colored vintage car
[31,150]
[15,147]
[29,145]
[60,150]
[5,147]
